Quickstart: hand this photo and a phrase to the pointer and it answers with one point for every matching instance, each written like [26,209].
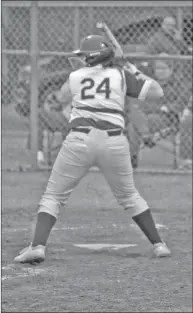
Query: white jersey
[98,94]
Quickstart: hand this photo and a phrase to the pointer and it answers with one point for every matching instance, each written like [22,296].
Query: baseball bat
[117,47]
[105,29]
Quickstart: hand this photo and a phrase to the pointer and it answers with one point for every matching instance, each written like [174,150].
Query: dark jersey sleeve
[134,85]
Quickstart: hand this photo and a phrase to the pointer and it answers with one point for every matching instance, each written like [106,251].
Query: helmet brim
[84,53]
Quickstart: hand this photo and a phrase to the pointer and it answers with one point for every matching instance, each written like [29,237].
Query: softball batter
[96,138]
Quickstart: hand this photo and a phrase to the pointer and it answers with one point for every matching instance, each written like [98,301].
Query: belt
[85,130]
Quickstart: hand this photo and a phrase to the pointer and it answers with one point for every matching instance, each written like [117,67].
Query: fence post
[179,18]
[91,19]
[34,84]
[76,28]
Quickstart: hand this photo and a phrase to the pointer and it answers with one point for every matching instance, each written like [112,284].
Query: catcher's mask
[95,50]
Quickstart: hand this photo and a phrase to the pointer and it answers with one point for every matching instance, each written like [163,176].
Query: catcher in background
[152,118]
[51,117]
[96,138]
[186,136]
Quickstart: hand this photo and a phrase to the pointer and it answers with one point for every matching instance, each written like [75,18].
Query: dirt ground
[79,279]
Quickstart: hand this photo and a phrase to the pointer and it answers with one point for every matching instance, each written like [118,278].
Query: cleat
[161,250]
[32,255]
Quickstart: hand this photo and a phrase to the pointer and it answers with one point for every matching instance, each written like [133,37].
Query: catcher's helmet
[96,50]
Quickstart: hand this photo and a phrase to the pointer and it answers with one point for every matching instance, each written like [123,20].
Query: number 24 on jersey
[88,84]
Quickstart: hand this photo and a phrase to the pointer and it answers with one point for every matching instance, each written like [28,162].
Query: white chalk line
[139,232]
[158,226]
[54,229]
[31,272]
[26,272]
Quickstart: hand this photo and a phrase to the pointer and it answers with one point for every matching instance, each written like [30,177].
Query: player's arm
[142,87]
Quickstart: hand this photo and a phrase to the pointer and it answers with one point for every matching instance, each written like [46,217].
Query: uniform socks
[44,225]
[146,223]
[45,222]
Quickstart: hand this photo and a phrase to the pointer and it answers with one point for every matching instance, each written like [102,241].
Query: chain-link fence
[138,27]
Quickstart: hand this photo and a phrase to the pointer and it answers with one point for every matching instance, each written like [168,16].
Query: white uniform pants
[79,152]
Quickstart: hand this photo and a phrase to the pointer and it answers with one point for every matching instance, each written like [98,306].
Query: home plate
[99,246]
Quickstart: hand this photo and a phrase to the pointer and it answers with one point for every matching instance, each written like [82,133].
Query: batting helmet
[96,50]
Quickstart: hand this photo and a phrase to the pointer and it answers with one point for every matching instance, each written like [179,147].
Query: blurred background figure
[136,127]
[51,119]
[186,136]
[174,75]
[167,39]
[174,79]
[6,90]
